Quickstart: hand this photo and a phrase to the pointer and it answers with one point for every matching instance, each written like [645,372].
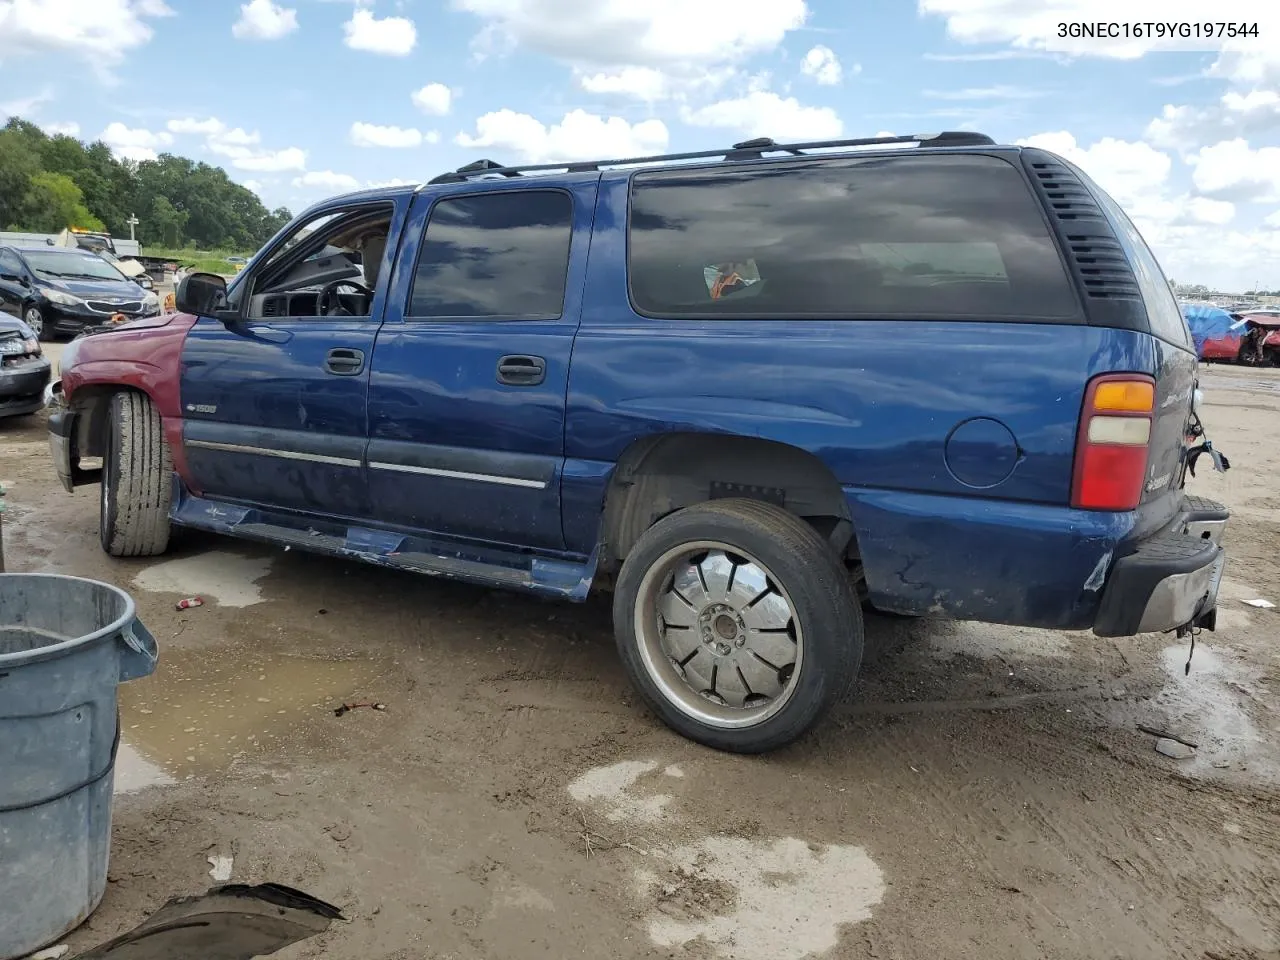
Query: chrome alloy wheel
[718,635]
[35,320]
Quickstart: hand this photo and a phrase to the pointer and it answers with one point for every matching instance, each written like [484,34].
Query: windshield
[72,266]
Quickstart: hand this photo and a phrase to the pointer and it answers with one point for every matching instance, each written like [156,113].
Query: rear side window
[495,255]
[928,237]
[1163,312]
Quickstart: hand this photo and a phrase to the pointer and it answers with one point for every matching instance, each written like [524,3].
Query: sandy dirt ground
[986,794]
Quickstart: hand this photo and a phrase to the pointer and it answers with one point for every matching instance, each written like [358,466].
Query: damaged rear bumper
[1169,581]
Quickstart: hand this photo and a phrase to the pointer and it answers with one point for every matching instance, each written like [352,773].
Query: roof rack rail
[746,150]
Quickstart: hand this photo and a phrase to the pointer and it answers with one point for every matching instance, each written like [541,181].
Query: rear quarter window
[1163,313]
[926,237]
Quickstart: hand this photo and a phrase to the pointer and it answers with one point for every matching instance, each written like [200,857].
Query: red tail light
[1111,448]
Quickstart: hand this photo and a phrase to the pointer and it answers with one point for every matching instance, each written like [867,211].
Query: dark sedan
[60,291]
[24,370]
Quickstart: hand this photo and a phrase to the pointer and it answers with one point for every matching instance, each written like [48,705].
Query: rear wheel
[136,480]
[738,624]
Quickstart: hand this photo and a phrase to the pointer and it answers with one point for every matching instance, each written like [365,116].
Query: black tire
[42,329]
[823,604]
[137,474]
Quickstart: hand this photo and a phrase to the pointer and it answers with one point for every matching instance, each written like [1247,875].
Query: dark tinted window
[1163,312]
[495,255]
[925,237]
[9,263]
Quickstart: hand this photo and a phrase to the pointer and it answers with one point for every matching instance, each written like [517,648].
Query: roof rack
[746,150]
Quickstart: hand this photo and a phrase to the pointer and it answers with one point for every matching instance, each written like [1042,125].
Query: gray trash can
[65,645]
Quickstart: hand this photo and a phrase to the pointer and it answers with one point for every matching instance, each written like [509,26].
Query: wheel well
[93,403]
[656,476]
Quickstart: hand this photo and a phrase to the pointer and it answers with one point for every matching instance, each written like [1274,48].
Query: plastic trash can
[65,646]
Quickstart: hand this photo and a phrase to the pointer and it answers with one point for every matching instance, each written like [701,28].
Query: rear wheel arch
[658,475]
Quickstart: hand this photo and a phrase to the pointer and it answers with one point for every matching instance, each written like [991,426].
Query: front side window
[495,255]
[930,237]
[329,266]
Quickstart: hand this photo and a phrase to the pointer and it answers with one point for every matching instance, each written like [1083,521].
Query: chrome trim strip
[282,454]
[460,475]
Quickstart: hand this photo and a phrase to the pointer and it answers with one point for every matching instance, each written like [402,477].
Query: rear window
[928,237]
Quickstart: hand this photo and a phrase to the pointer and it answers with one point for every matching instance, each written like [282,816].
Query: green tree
[167,222]
[59,204]
[176,198]
[18,164]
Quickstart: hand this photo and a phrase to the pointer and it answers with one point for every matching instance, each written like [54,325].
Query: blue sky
[300,99]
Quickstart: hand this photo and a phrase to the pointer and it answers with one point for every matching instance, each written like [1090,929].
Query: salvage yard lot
[986,794]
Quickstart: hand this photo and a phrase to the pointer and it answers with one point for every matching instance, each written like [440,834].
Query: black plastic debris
[234,922]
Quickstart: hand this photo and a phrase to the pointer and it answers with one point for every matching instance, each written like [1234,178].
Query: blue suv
[750,390]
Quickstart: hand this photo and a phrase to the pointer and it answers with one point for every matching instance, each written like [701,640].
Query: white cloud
[26,107]
[393,182]
[653,33]
[762,113]
[1132,172]
[822,64]
[290,158]
[1245,115]
[102,32]
[1034,26]
[372,135]
[642,83]
[391,36]
[253,185]
[191,125]
[1252,65]
[68,129]
[264,20]
[1231,170]
[435,99]
[233,142]
[1189,234]
[134,144]
[327,180]
[997,92]
[1273,220]
[650,85]
[579,136]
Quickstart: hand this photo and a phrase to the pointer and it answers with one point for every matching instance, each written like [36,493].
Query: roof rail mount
[754,149]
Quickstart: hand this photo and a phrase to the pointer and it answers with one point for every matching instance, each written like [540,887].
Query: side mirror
[201,294]
[12,278]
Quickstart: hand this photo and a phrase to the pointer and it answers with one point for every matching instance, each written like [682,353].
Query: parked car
[1217,333]
[60,291]
[1252,338]
[696,379]
[24,370]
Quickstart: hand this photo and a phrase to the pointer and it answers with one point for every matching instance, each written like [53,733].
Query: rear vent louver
[1096,256]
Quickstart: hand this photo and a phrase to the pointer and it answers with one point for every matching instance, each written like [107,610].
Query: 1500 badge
[202,408]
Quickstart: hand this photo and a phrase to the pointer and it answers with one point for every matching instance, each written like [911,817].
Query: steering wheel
[329,289]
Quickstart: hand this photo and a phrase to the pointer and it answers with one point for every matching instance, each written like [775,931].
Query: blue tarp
[1207,322]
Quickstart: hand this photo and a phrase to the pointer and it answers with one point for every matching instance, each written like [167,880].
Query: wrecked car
[694,379]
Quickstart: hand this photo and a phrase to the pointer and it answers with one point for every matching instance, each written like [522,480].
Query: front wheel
[137,469]
[738,624]
[34,318]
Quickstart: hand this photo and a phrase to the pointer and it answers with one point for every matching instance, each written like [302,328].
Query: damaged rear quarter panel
[992,561]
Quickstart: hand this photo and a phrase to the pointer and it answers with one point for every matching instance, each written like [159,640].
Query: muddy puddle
[202,710]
